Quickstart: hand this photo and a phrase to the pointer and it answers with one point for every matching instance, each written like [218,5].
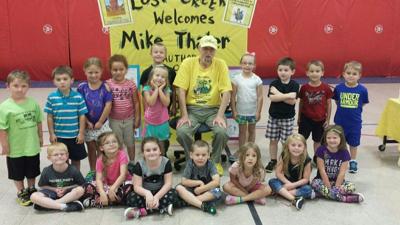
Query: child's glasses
[59,154]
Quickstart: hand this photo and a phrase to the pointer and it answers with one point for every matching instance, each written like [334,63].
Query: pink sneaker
[260,201]
[134,212]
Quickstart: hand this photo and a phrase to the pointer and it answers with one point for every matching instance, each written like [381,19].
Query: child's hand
[198,190]
[258,116]
[326,124]
[80,138]
[149,200]
[274,91]
[156,202]
[112,194]
[98,125]
[89,125]
[153,85]
[234,115]
[103,199]
[162,85]
[53,138]
[60,192]
[288,186]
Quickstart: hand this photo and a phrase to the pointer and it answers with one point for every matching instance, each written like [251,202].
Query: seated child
[60,183]
[200,181]
[246,177]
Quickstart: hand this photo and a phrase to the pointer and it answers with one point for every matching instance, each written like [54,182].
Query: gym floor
[378,179]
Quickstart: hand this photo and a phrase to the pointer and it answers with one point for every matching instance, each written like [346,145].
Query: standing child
[152,182]
[332,163]
[315,104]
[158,52]
[112,177]
[247,99]
[283,93]
[66,111]
[156,95]
[200,181]
[98,100]
[60,183]
[247,177]
[293,172]
[124,115]
[350,98]
[21,135]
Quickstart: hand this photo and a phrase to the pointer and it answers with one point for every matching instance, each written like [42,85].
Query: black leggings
[135,200]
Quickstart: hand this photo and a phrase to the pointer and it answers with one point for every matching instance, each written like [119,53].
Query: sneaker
[40,208]
[354,198]
[168,209]
[313,194]
[209,207]
[134,212]
[298,203]
[74,206]
[89,202]
[220,169]
[23,198]
[260,201]
[353,166]
[90,176]
[271,166]
[31,190]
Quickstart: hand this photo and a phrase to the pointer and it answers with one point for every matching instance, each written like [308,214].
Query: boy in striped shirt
[66,110]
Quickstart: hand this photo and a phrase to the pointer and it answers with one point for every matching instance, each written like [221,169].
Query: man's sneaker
[220,169]
[90,176]
[209,207]
[23,198]
[169,209]
[74,206]
[354,198]
[298,203]
[134,212]
[353,166]
[271,166]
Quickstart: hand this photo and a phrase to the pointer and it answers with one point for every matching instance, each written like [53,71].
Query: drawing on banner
[239,12]
[115,12]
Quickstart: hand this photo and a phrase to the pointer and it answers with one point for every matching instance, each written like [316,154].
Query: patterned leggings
[334,193]
[135,200]
[92,194]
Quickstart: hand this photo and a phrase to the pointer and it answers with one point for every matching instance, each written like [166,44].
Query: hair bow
[251,53]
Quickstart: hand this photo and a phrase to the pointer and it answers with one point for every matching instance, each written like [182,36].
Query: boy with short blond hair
[350,98]
[60,183]
[283,94]
[21,135]
[66,111]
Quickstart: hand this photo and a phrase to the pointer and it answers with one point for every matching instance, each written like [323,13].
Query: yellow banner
[179,24]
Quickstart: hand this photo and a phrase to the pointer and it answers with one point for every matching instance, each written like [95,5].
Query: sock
[239,199]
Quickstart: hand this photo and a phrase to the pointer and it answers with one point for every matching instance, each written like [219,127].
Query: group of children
[105,115]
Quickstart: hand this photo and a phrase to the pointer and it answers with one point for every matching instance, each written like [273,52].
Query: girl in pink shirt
[246,177]
[156,98]
[113,181]
[124,115]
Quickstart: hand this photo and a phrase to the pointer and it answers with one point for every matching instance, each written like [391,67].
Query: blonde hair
[316,62]
[258,166]
[18,74]
[200,144]
[153,71]
[56,146]
[353,65]
[158,44]
[286,156]
[93,61]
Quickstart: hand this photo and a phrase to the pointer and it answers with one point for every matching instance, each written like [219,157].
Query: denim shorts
[304,191]
[216,192]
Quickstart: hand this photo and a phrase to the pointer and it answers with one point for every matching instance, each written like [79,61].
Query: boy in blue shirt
[66,119]
[283,93]
[350,97]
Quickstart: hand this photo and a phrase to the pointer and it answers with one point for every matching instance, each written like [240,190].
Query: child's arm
[40,133]
[50,125]
[135,100]
[138,188]
[328,112]
[164,97]
[191,183]
[100,188]
[112,193]
[151,98]
[260,100]
[81,135]
[4,142]
[322,172]
[233,101]
[281,176]
[164,189]
[306,177]
[342,172]
[235,181]
[209,186]
[104,115]
[277,96]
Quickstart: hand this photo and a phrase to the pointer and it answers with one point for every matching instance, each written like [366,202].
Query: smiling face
[284,73]
[351,76]
[160,76]
[63,82]
[93,74]
[18,89]
[151,151]
[315,73]
[296,148]
[248,64]
[333,141]
[110,145]
[58,157]
[200,155]
[118,71]
[158,53]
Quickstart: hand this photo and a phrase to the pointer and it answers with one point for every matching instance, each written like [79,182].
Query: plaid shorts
[279,129]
